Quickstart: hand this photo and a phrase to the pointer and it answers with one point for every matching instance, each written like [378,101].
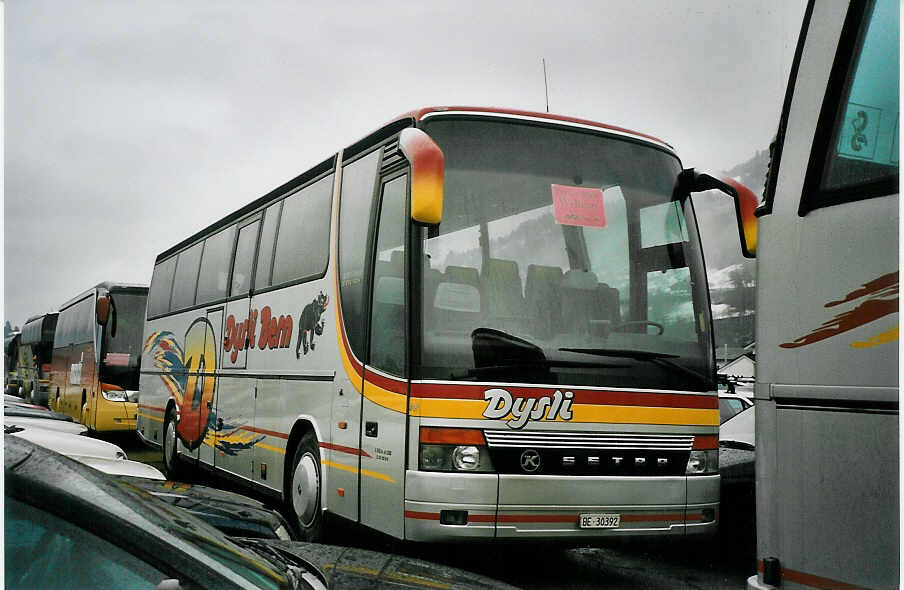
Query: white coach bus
[827,463]
[471,324]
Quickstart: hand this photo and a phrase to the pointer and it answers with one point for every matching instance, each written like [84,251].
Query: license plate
[600,521]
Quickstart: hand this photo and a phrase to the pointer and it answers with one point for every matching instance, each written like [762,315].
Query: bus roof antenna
[545,84]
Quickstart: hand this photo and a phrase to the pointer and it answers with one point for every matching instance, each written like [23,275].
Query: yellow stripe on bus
[353,469]
[882,338]
[473,410]
[396,402]
[270,448]
[155,418]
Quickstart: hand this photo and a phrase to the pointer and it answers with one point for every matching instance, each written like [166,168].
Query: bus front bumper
[449,506]
[115,416]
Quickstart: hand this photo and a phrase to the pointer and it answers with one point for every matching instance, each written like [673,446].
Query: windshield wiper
[534,366]
[300,572]
[658,358]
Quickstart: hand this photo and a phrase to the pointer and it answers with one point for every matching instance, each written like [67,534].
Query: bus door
[385,405]
[235,396]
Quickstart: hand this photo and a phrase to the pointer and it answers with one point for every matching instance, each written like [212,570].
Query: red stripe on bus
[267,432]
[812,580]
[706,442]
[155,408]
[660,517]
[537,518]
[342,449]
[556,518]
[422,515]
[609,398]
[343,337]
[388,384]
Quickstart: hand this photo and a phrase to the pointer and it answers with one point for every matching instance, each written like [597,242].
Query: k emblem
[530,461]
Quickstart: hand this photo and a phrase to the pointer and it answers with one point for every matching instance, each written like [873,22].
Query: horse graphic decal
[310,323]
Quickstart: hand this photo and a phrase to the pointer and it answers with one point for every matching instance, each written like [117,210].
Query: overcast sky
[131,125]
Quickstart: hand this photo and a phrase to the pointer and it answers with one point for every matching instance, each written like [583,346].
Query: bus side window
[84,318]
[264,269]
[855,150]
[215,266]
[186,278]
[161,287]
[244,257]
[303,239]
[387,335]
[358,184]
[62,336]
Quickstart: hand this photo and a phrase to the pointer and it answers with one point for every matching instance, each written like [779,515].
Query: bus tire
[304,490]
[171,463]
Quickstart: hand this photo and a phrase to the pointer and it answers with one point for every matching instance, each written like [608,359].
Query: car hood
[71,445]
[34,412]
[122,467]
[45,423]
[352,568]
[231,513]
[739,430]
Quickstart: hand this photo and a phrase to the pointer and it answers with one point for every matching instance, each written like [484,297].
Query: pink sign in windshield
[577,205]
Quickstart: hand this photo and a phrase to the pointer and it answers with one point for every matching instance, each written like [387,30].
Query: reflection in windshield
[571,242]
[121,350]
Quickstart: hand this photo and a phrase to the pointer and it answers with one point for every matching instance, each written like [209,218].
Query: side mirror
[102,309]
[427,165]
[691,181]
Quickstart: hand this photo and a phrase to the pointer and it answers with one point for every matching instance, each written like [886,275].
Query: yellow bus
[97,356]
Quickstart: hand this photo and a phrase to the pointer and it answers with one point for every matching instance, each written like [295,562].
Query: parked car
[731,404]
[233,514]
[737,470]
[71,445]
[69,526]
[47,423]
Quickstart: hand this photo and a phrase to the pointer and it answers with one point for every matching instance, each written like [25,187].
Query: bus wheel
[170,447]
[303,495]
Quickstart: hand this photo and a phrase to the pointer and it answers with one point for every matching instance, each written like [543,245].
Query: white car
[739,431]
[123,467]
[71,445]
[46,424]
[732,404]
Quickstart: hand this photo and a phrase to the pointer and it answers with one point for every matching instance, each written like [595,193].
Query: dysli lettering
[549,407]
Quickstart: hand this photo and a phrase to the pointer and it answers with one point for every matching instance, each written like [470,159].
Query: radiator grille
[589,440]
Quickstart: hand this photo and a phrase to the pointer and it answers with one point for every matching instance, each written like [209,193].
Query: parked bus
[35,355]
[11,362]
[471,324]
[827,465]
[97,356]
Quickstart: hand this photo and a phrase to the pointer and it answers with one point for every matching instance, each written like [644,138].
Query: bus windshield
[121,353]
[563,257]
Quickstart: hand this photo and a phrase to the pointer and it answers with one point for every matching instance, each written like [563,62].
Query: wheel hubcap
[305,483]
[170,445]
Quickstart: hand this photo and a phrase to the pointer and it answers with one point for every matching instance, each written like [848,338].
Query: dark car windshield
[252,566]
[562,257]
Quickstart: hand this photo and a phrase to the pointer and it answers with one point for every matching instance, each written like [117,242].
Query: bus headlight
[703,462]
[439,451]
[466,458]
[119,395]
